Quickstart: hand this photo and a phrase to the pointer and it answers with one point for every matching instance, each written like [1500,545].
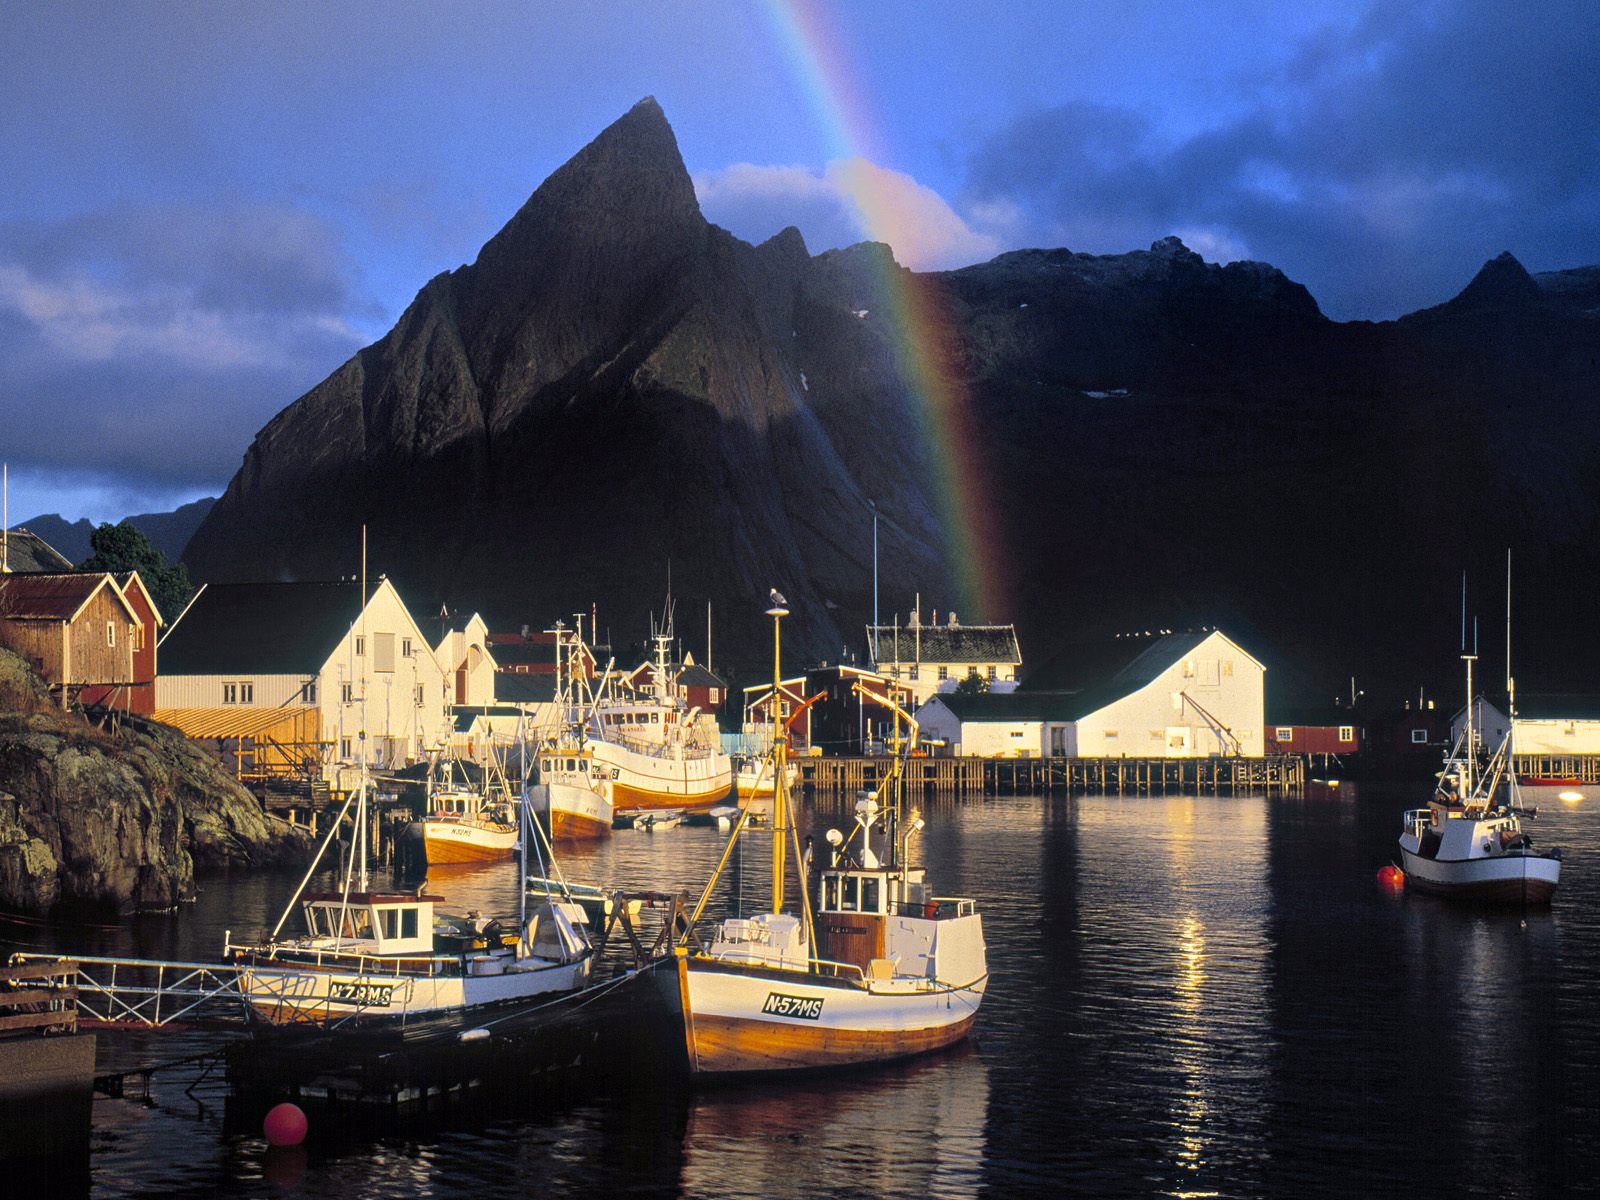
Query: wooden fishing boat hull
[1501,879]
[740,1020]
[460,842]
[292,994]
[643,783]
[572,812]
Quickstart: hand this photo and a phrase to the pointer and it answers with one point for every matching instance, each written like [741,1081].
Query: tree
[973,685]
[122,547]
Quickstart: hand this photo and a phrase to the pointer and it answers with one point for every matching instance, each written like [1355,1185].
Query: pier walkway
[956,777]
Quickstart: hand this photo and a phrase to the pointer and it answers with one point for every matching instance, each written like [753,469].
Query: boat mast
[780,790]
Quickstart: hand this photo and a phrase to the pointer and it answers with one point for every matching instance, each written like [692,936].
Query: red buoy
[285,1125]
[1391,877]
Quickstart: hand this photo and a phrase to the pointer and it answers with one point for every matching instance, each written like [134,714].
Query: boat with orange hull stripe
[875,967]
[659,754]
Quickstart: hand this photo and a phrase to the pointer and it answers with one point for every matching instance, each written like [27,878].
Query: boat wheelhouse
[879,968]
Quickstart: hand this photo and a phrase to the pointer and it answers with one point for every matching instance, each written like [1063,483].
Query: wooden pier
[958,777]
[1585,767]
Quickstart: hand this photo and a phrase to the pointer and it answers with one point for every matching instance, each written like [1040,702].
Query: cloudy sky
[208,207]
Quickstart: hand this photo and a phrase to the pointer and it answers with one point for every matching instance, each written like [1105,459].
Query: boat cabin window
[398,922]
[328,920]
[872,895]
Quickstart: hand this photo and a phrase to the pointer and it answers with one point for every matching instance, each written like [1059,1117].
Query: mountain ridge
[615,385]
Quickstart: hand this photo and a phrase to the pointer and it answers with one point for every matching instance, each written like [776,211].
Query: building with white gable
[463,653]
[1172,695]
[304,681]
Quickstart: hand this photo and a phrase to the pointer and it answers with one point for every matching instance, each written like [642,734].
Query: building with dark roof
[935,658]
[1167,695]
[26,553]
[305,680]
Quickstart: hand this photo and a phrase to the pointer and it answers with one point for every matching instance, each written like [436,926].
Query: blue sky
[209,207]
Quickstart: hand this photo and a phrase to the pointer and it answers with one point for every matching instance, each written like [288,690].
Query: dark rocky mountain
[169,532]
[616,383]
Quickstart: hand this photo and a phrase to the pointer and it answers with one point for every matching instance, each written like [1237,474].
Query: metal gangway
[147,993]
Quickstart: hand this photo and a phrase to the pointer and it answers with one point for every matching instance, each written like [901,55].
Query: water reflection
[1189,996]
[911,1130]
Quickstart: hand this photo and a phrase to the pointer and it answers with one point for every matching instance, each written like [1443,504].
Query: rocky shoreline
[118,817]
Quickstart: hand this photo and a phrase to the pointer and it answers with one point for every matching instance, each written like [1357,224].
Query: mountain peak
[1501,282]
[626,183]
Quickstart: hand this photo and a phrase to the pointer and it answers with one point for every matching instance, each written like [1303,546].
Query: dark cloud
[147,345]
[1380,167]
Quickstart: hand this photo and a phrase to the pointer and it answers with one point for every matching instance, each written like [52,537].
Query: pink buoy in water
[284,1125]
[1391,877]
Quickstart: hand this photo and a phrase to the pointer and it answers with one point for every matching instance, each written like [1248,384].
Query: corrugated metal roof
[262,628]
[49,597]
[236,722]
[946,644]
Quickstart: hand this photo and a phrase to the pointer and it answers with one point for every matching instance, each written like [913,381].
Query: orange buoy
[1391,876]
[284,1125]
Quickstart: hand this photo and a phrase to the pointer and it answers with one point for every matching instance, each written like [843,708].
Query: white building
[935,658]
[1557,725]
[1490,725]
[464,655]
[295,679]
[1180,695]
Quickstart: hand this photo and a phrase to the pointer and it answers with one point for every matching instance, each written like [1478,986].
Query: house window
[1016,733]
[136,636]
[1347,733]
[230,693]
[716,695]
[1188,668]
[361,646]
[310,691]
[911,672]
[944,672]
[1285,734]
[1419,737]
[991,671]
[419,695]
[247,693]
[1111,733]
[344,747]
[347,693]
[111,633]
[405,647]
[1227,668]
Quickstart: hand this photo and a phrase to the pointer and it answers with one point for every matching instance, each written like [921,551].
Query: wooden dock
[969,777]
[1585,767]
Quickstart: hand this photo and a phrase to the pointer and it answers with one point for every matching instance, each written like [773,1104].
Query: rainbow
[923,334]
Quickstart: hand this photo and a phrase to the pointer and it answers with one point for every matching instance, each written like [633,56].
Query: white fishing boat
[753,778]
[1469,842]
[367,955]
[659,753]
[880,967]
[461,824]
[572,791]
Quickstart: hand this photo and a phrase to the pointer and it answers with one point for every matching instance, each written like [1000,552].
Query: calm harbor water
[1190,996]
